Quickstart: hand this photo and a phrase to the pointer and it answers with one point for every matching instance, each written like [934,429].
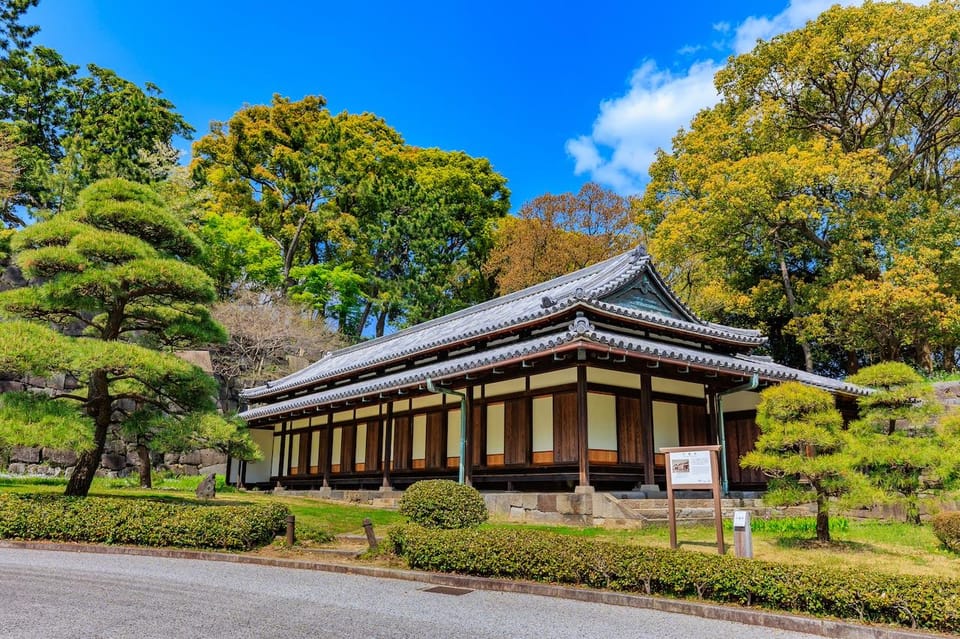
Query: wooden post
[717,505]
[328,456]
[646,428]
[283,443]
[583,450]
[671,507]
[368,529]
[291,530]
[387,445]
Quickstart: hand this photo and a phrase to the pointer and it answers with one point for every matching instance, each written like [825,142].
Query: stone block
[219,469]
[212,458]
[529,501]
[171,459]
[25,454]
[59,457]
[516,513]
[192,458]
[190,469]
[17,468]
[113,461]
[547,503]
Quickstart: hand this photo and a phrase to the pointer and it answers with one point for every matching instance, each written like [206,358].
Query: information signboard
[691,468]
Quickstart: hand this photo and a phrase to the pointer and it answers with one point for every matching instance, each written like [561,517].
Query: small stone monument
[208,487]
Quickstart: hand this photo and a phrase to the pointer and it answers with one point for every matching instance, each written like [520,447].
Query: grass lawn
[889,547]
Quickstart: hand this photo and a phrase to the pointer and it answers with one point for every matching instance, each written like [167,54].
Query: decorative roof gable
[646,294]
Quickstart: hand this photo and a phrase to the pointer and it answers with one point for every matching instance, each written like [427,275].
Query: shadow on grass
[805,543]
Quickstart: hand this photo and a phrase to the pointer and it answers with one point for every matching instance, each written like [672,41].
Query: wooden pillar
[242,477]
[328,454]
[387,439]
[646,428]
[713,424]
[283,444]
[583,451]
[467,460]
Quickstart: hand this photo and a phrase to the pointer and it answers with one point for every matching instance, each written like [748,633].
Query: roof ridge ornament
[581,325]
[547,301]
[638,253]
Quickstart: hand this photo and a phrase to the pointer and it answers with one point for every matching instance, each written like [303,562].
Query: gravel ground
[49,595]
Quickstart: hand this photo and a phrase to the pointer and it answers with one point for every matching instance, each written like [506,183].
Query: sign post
[693,468]
[742,536]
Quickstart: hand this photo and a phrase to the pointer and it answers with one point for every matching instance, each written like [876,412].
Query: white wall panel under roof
[434,399]
[361,452]
[402,404]
[301,423]
[337,444]
[453,433]
[495,429]
[743,400]
[277,428]
[260,471]
[554,378]
[666,425]
[601,421]
[343,416]
[275,456]
[315,447]
[676,387]
[368,411]
[543,424]
[622,379]
[419,436]
[294,450]
[506,386]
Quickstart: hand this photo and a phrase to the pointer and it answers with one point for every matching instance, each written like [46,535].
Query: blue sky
[553,93]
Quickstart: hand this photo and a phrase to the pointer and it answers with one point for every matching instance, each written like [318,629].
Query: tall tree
[348,201]
[830,156]
[556,234]
[801,449]
[113,270]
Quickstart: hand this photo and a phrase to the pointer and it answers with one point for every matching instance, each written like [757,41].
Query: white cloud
[630,128]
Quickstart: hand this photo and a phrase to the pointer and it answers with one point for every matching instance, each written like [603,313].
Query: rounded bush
[441,503]
[946,526]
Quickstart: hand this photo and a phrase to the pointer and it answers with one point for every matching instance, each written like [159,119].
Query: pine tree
[111,295]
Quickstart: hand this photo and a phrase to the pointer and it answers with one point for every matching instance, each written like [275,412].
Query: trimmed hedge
[946,526]
[918,602]
[442,503]
[139,522]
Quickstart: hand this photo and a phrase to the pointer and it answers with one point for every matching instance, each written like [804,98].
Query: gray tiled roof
[580,332]
[586,286]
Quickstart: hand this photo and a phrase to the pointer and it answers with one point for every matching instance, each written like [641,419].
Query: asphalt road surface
[51,595]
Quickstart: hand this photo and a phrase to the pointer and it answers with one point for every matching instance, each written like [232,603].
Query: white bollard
[742,537]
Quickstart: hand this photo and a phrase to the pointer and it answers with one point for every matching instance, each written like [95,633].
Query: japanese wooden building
[578,381]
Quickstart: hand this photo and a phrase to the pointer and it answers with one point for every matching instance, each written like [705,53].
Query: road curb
[753,617]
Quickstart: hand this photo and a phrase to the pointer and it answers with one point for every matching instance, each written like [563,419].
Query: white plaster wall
[508,386]
[434,399]
[419,436]
[677,387]
[361,448]
[453,433]
[260,471]
[744,400]
[343,416]
[274,456]
[495,429]
[301,423]
[601,421]
[666,425]
[613,378]
[368,411]
[294,450]
[554,378]
[315,448]
[337,443]
[543,424]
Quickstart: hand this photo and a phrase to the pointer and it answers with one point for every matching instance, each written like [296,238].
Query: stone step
[341,553]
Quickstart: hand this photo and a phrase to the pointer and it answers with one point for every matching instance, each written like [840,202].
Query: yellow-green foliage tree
[555,234]
[829,162]
[114,273]
[801,448]
[897,443]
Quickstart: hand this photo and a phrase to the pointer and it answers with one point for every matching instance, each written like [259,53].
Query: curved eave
[581,334]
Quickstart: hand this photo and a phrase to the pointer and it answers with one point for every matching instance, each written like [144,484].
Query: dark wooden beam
[646,427]
[583,451]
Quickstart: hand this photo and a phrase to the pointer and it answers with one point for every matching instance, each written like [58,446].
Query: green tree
[830,157]
[896,443]
[801,448]
[113,270]
[339,190]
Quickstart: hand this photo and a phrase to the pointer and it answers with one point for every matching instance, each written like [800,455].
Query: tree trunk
[823,518]
[792,305]
[99,407]
[145,467]
[381,322]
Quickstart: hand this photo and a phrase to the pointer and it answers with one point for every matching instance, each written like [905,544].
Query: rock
[113,462]
[17,468]
[25,454]
[211,457]
[59,457]
[217,469]
[208,487]
[192,458]
[171,459]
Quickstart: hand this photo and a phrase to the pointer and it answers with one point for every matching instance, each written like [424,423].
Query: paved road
[51,595]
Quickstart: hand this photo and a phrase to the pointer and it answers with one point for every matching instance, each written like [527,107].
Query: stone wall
[117,461]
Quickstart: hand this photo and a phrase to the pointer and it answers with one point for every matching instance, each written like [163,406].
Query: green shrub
[924,602]
[139,522]
[946,526]
[791,526]
[441,503]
